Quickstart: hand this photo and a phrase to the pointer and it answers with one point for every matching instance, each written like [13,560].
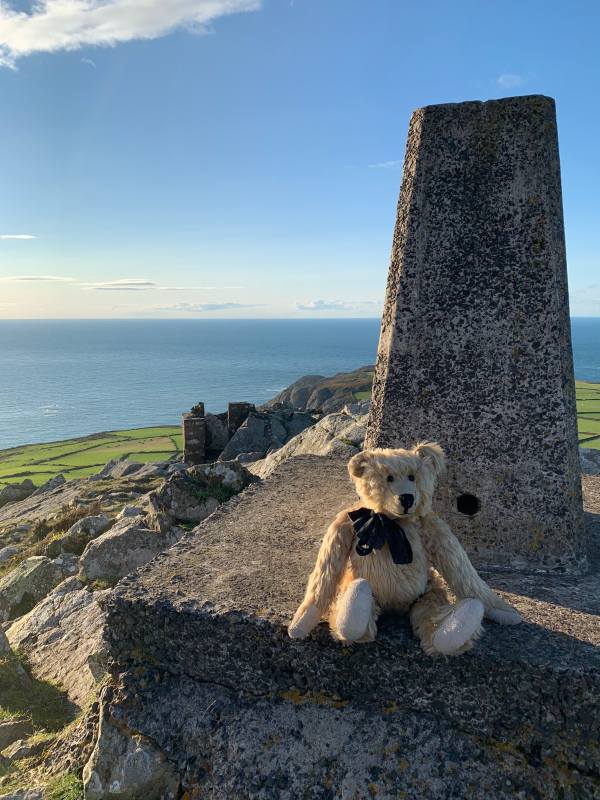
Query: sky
[242,158]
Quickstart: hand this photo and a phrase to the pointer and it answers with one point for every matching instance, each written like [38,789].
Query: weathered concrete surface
[213,679]
[475,347]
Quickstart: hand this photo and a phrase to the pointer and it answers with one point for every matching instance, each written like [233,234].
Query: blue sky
[243,158]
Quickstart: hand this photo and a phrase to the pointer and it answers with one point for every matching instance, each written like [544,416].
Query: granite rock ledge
[205,675]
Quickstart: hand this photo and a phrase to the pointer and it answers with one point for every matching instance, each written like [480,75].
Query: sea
[65,378]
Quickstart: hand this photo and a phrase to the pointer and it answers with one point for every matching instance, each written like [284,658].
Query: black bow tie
[374,530]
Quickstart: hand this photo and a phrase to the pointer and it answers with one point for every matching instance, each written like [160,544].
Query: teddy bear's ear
[433,455]
[358,464]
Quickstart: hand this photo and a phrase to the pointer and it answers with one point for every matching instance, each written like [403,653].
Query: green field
[588,414]
[78,458]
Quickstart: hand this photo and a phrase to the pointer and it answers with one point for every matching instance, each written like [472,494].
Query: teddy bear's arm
[323,582]
[450,559]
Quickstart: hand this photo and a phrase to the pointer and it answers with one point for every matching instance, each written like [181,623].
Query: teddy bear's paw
[459,627]
[305,619]
[503,616]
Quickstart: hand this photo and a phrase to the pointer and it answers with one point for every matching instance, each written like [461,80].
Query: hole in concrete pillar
[468,504]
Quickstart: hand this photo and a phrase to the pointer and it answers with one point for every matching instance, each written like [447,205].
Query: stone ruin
[206,436]
[210,698]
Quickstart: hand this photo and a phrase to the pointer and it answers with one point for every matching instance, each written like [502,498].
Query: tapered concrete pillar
[475,348]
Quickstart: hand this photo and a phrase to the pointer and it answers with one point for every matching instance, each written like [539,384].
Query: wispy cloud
[396,164]
[195,308]
[54,25]
[510,80]
[122,285]
[144,285]
[335,305]
[90,62]
[28,278]
[16,235]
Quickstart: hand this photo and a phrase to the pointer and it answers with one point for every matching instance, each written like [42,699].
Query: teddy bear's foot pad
[458,627]
[354,611]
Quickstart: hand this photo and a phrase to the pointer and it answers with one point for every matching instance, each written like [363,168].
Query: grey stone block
[210,617]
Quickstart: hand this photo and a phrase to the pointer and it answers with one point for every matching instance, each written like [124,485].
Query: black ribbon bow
[374,530]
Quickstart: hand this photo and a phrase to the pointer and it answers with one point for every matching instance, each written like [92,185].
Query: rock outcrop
[26,585]
[325,395]
[263,432]
[341,434]
[62,638]
[79,535]
[13,492]
[127,546]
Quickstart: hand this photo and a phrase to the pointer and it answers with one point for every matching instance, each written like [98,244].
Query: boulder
[123,549]
[13,492]
[62,638]
[195,494]
[130,511]
[264,431]
[230,475]
[79,535]
[68,563]
[50,485]
[27,584]
[340,434]
[590,460]
[23,748]
[35,793]
[124,766]
[117,468]
[6,553]
[4,645]
[14,729]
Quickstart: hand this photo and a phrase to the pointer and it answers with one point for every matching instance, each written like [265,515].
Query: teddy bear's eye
[411,477]
[390,478]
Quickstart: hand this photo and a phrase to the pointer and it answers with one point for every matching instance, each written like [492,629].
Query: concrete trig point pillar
[475,348]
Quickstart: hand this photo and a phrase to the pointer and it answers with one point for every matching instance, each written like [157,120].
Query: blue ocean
[60,379]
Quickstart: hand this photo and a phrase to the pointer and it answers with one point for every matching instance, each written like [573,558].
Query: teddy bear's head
[398,482]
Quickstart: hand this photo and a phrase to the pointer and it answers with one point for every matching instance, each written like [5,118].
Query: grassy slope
[77,458]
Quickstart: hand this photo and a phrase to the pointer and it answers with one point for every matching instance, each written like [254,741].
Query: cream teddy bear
[388,553]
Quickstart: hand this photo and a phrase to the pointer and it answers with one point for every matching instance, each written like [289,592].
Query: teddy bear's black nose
[407,501]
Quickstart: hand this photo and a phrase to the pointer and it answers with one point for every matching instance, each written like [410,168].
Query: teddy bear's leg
[442,627]
[354,615]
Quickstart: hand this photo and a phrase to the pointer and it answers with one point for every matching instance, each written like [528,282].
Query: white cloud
[143,285]
[335,305]
[203,307]
[16,235]
[386,165]
[54,25]
[122,285]
[510,80]
[27,278]
[89,62]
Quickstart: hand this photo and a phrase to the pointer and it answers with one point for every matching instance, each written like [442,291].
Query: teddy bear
[391,552]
